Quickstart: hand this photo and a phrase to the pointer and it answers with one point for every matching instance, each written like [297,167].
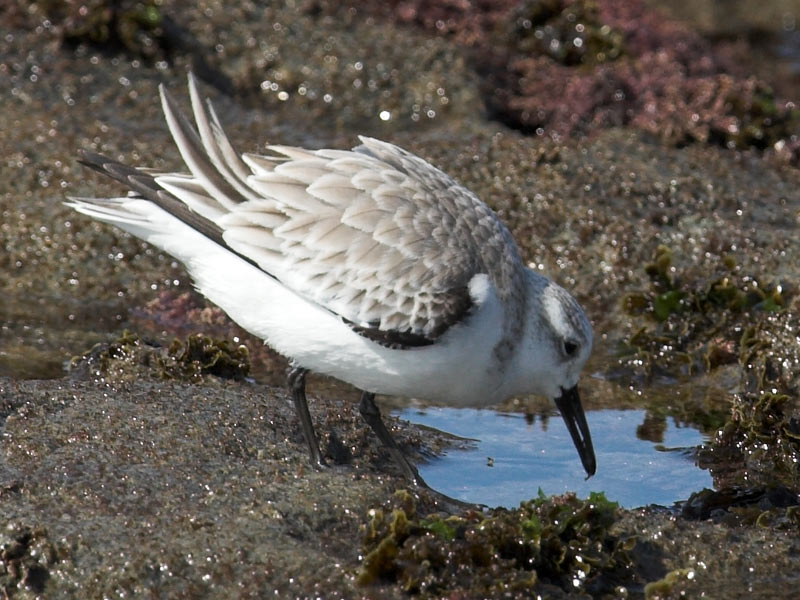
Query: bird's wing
[375,235]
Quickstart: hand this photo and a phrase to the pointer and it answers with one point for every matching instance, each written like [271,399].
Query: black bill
[569,403]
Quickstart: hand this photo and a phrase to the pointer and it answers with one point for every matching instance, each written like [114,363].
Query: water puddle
[513,458]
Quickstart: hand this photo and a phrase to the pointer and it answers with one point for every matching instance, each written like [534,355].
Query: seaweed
[684,327]
[762,436]
[570,33]
[559,541]
[202,355]
[190,359]
[688,327]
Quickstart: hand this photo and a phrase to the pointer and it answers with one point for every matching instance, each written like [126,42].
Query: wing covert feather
[376,235]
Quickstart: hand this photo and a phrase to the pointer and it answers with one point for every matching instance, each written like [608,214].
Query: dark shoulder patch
[396,340]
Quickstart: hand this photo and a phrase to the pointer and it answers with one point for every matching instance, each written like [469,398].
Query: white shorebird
[370,265]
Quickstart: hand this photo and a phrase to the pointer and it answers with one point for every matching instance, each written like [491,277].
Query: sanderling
[369,265]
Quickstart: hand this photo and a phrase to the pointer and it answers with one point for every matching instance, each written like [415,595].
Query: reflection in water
[513,458]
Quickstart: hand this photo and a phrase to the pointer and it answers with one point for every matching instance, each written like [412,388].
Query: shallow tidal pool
[512,458]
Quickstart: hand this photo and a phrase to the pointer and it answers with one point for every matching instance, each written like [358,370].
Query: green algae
[571,33]
[186,360]
[763,433]
[559,541]
[690,325]
[673,582]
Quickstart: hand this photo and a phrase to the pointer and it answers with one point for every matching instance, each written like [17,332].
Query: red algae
[566,68]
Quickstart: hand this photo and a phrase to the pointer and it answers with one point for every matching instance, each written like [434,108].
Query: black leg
[297,381]
[372,415]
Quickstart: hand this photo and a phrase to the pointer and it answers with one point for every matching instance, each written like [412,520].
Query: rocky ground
[649,164]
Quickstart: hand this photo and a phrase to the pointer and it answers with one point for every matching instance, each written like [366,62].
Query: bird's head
[558,342]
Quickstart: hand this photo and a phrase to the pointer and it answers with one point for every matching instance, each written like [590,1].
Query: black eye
[570,347]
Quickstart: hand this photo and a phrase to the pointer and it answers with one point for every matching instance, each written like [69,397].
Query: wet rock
[743,506]
[169,487]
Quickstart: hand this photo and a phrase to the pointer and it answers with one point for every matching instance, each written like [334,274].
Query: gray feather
[375,235]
